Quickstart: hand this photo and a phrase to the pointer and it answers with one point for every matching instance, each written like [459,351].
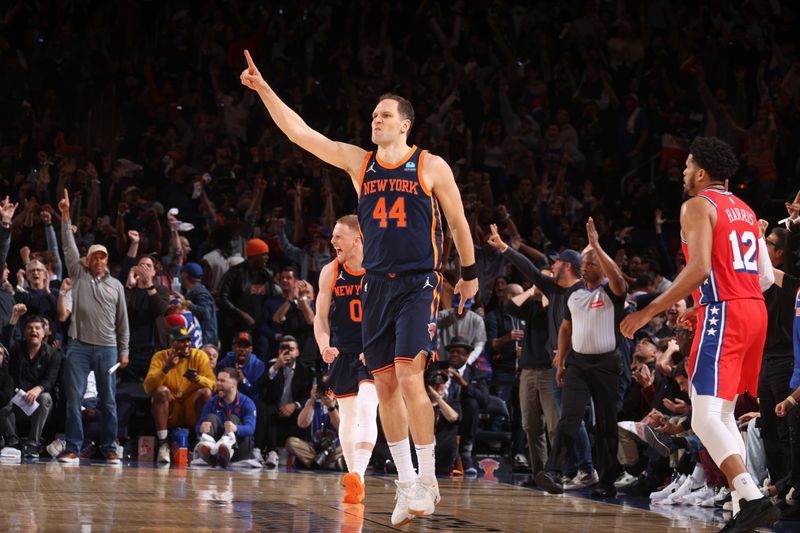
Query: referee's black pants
[595,377]
[773,388]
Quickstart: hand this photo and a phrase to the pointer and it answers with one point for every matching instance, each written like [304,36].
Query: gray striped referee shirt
[595,315]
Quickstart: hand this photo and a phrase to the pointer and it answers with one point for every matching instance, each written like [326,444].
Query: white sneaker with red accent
[205,448]
[424,497]
[400,515]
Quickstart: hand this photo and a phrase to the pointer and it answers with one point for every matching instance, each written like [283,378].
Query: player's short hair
[404,107]
[715,156]
[351,221]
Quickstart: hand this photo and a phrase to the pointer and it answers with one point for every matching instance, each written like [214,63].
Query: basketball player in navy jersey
[401,190]
[337,328]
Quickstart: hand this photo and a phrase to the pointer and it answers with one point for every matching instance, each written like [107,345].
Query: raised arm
[7,209]
[52,242]
[72,256]
[616,282]
[520,262]
[342,155]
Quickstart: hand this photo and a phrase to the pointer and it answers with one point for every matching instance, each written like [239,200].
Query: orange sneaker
[353,488]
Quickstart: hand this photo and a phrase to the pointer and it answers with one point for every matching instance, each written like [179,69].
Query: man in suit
[286,390]
[467,386]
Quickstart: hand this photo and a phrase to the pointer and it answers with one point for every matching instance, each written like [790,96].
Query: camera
[326,447]
[436,377]
[322,388]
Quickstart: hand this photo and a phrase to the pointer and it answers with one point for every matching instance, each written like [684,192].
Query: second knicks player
[337,328]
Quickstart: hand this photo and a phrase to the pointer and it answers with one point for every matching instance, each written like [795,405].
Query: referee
[588,366]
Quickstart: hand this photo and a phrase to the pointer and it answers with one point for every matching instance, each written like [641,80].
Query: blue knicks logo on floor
[410,167]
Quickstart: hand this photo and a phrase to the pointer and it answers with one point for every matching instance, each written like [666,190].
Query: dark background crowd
[548,113]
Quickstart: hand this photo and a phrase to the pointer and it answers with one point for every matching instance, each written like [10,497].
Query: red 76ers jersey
[734,252]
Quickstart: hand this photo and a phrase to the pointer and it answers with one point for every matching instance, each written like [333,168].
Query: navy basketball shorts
[399,319]
[346,374]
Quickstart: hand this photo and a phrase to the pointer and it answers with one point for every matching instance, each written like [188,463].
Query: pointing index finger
[251,67]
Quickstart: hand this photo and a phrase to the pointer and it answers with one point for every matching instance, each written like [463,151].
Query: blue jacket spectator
[251,369]
[242,406]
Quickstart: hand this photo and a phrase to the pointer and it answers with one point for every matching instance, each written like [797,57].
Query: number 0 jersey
[346,313]
[734,252]
[399,216]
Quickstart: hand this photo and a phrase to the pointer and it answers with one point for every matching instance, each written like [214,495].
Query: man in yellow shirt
[179,383]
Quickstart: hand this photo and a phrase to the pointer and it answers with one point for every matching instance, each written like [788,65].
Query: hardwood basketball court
[47,496]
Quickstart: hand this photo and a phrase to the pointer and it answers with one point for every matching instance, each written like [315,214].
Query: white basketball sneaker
[205,448]
[400,515]
[424,497]
[668,490]
[225,449]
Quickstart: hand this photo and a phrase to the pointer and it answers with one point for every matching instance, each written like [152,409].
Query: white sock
[162,435]
[347,453]
[735,502]
[401,454]
[426,459]
[361,461]
[746,487]
[698,477]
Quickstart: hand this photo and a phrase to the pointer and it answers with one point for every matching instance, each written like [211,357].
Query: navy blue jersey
[399,217]
[346,312]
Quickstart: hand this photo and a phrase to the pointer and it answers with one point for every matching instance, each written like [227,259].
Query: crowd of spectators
[208,228]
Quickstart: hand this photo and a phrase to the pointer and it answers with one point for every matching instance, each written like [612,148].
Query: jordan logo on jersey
[427,283]
[371,168]
[341,276]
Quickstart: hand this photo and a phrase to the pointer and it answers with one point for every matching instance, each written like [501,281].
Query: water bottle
[176,285]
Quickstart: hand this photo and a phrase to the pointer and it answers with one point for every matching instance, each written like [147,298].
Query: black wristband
[468,273]
[150,288]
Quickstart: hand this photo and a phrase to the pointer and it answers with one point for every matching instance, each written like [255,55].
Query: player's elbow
[701,270]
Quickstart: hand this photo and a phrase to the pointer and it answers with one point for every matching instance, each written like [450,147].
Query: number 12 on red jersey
[746,262]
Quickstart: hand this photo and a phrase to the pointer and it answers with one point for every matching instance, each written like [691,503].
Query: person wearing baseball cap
[249,368]
[100,333]
[179,382]
[202,301]
[572,258]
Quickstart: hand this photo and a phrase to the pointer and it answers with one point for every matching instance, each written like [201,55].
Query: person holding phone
[179,383]
[286,390]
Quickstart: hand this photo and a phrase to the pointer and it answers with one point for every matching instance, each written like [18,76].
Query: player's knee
[410,381]
[386,386]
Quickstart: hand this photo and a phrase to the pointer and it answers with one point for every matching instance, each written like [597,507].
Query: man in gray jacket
[98,340]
